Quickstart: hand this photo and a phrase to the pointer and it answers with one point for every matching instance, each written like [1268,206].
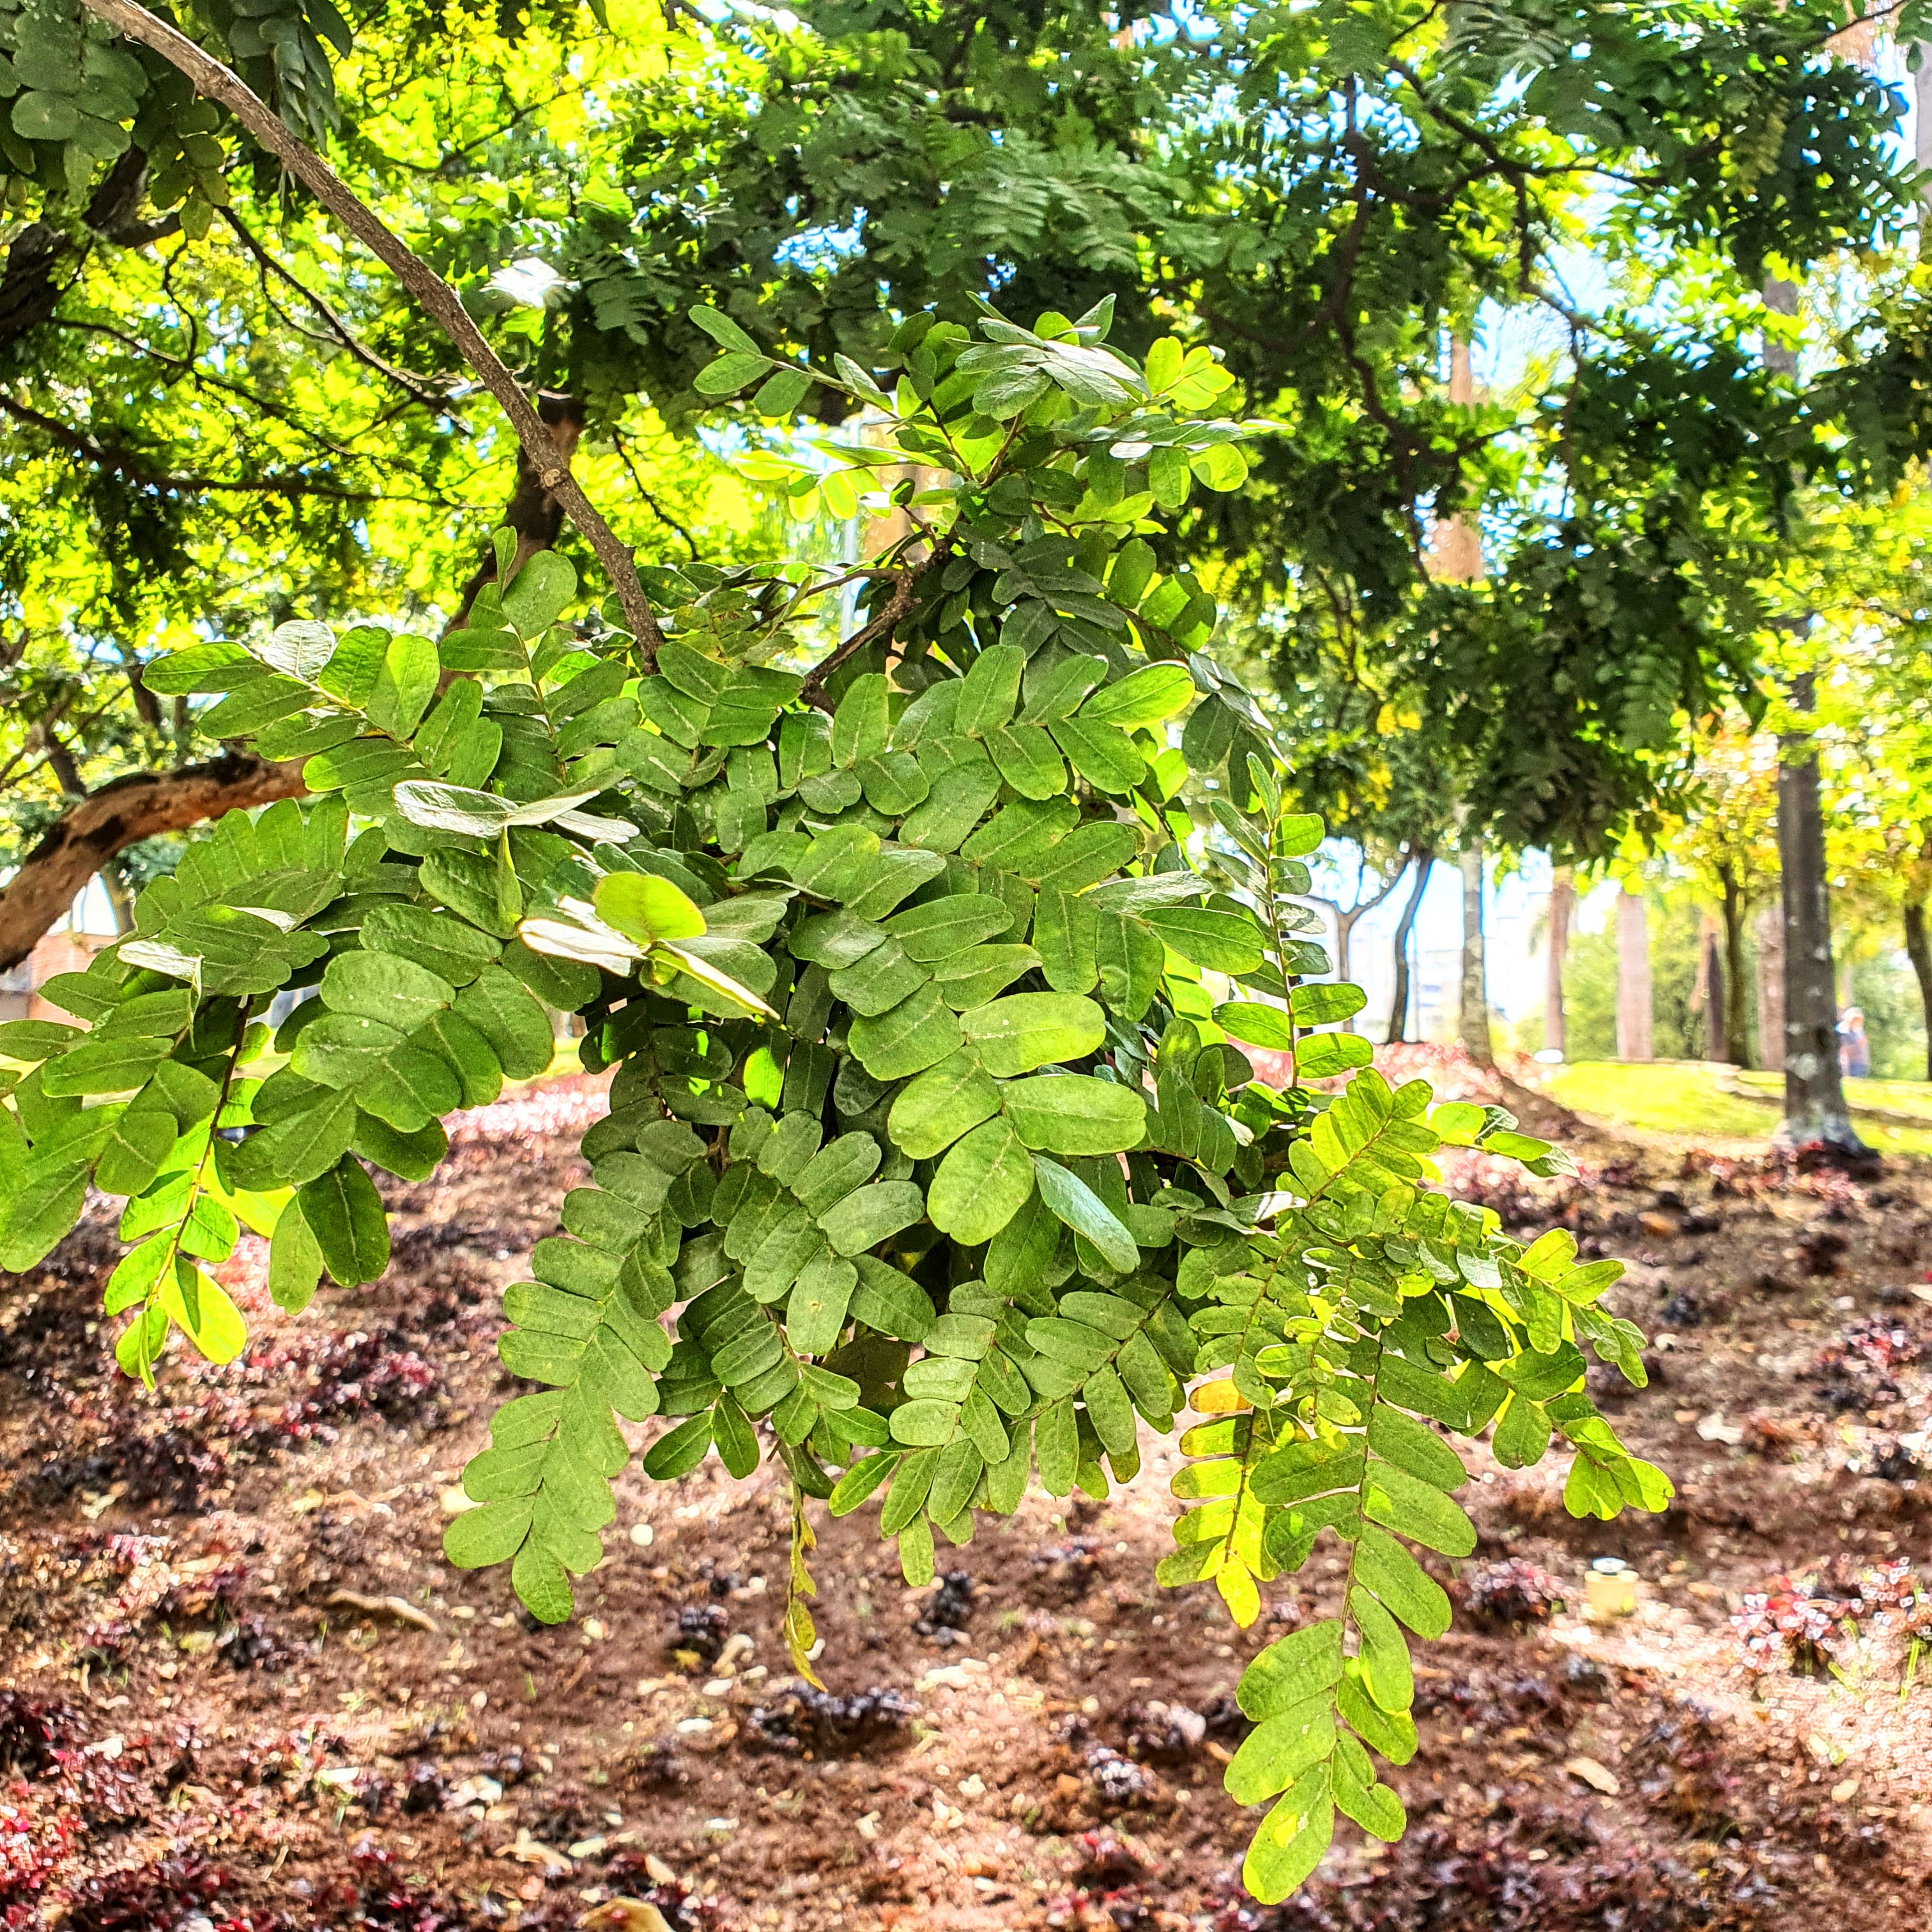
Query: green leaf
[1143,697]
[516,1029]
[141,1139]
[934,1110]
[729,374]
[1224,942]
[1292,1669]
[990,692]
[404,685]
[918,1033]
[1414,1447]
[981,1184]
[1072,1114]
[1281,1749]
[1259,1025]
[540,592]
[384,987]
[646,908]
[1322,1056]
[1419,1510]
[1373,1806]
[815,1314]
[1083,1211]
[452,949]
[723,330]
[492,1533]
[351,1227]
[295,1262]
[1319,1003]
[1014,1035]
[103,1066]
[859,1482]
[203,1313]
[1292,1840]
[1383,1657]
[1102,754]
[1523,1435]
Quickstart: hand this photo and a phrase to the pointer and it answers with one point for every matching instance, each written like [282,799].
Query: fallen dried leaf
[400,1608]
[1594,1775]
[624,1915]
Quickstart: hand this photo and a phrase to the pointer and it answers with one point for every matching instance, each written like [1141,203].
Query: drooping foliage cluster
[935,1167]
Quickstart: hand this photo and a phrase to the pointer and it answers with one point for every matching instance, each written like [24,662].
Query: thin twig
[281,483]
[437,405]
[437,297]
[656,508]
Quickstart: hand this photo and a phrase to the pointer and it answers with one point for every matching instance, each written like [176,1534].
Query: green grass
[1688,1098]
[1894,1096]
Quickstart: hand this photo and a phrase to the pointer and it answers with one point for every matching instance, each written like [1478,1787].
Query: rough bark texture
[1634,1002]
[1919,952]
[1472,1026]
[1814,1096]
[1562,906]
[117,816]
[1398,1023]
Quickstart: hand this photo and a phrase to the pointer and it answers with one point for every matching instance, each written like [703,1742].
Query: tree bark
[118,815]
[1716,1001]
[535,511]
[1737,1035]
[1472,1026]
[1814,1096]
[1919,952]
[1633,998]
[1398,1022]
[1562,905]
[437,298]
[1770,987]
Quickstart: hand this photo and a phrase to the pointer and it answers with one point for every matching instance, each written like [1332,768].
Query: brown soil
[199,1730]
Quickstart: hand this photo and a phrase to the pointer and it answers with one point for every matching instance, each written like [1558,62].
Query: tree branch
[437,298]
[119,814]
[280,483]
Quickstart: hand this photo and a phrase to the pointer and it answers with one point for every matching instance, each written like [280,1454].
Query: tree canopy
[222,412]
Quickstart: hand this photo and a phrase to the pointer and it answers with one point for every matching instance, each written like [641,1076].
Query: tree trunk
[534,511]
[1562,905]
[1770,988]
[1398,1022]
[1472,1026]
[1737,1035]
[1634,1013]
[120,814]
[1814,1095]
[1919,952]
[1716,1001]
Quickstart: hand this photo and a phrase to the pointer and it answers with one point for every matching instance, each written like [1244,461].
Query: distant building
[69,948]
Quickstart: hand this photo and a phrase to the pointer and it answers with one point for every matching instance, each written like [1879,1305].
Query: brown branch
[899,606]
[437,298]
[119,814]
